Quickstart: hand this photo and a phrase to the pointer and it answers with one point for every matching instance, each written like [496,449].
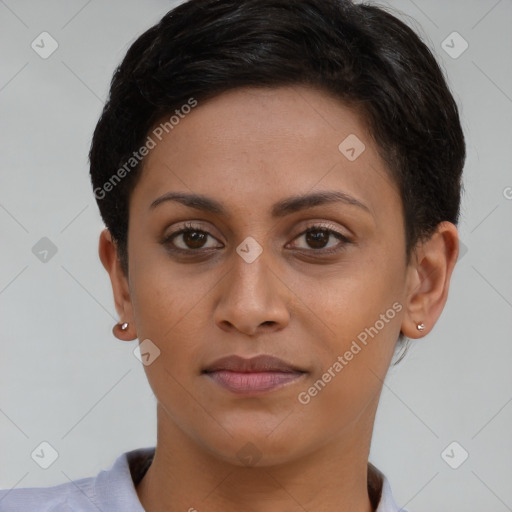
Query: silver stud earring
[420,327]
[124,326]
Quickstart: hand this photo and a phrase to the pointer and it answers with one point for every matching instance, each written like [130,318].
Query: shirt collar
[115,488]
[382,488]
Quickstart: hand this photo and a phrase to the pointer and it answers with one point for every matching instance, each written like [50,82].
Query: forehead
[251,147]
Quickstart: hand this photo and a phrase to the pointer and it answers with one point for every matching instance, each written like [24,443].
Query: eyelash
[167,241]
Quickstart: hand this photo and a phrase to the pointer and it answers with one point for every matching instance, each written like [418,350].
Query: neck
[185,477]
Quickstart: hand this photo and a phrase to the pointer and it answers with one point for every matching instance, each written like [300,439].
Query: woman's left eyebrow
[279,209]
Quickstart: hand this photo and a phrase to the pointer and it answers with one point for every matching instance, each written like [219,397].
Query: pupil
[319,240]
[194,239]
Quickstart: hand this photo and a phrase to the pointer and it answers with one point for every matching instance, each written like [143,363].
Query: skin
[248,149]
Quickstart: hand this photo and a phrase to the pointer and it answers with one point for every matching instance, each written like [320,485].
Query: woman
[280,183]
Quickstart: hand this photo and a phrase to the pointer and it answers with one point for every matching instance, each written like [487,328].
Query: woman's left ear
[428,280]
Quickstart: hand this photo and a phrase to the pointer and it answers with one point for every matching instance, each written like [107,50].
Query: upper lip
[261,363]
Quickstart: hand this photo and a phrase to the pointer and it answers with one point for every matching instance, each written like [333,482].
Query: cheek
[171,315]
[352,371]
[175,322]
[164,295]
[351,298]
[167,313]
[360,323]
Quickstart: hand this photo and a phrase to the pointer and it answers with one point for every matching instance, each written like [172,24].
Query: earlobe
[123,332]
[109,258]
[428,280]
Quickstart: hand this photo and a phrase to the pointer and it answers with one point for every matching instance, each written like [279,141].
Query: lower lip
[252,382]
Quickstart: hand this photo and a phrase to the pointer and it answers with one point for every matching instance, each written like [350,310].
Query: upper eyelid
[318,224]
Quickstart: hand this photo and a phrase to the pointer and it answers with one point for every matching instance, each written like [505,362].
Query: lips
[252,376]
[262,363]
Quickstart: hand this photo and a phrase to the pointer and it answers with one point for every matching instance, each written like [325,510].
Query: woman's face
[247,279]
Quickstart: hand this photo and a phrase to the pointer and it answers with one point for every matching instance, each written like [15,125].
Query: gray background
[66,380]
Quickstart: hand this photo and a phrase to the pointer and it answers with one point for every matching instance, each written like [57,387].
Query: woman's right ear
[109,257]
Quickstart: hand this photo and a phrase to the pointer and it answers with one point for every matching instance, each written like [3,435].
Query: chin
[254,448]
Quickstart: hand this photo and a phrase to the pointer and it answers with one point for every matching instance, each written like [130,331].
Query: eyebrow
[280,209]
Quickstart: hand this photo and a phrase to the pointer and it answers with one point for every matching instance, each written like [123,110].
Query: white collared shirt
[113,490]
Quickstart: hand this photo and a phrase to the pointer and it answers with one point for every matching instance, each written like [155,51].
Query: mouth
[257,375]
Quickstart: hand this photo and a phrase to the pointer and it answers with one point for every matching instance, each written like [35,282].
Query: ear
[428,279]
[109,258]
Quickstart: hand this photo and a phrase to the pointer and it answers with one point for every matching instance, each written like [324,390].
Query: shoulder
[111,490]
[75,496]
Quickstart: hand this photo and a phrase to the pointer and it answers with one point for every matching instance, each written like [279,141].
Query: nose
[253,299]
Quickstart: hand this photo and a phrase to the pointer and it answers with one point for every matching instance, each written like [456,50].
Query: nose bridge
[251,275]
[251,295]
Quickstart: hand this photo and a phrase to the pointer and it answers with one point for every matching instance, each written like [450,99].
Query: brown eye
[317,238]
[323,240]
[194,239]
[190,239]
